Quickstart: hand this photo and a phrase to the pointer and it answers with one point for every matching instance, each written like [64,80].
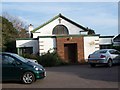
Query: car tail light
[102,56]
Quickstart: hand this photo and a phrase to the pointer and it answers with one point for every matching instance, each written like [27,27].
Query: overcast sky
[100,16]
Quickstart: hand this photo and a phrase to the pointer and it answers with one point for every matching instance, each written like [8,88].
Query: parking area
[74,76]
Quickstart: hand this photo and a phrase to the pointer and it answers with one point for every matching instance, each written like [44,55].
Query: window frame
[60,29]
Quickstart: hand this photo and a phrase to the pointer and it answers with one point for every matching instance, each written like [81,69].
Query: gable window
[60,29]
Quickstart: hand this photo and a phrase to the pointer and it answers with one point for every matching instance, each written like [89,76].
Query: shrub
[46,60]
[116,47]
[50,59]
[30,56]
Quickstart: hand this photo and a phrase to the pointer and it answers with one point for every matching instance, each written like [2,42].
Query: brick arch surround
[78,40]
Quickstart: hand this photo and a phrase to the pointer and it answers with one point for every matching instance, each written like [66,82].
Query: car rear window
[100,51]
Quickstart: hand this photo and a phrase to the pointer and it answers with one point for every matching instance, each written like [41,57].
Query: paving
[74,76]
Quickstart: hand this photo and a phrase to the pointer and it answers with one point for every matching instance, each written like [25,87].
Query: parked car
[104,56]
[15,67]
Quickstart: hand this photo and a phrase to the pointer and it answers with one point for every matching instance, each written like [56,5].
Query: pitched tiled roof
[60,15]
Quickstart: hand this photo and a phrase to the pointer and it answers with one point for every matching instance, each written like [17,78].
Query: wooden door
[70,52]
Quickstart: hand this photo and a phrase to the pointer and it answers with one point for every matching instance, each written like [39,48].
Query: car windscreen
[20,58]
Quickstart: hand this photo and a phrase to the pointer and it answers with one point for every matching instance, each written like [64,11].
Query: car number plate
[93,61]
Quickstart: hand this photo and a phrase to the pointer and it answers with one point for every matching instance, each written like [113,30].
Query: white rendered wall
[28,43]
[47,29]
[91,44]
[46,44]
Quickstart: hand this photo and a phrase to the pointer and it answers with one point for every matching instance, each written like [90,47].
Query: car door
[115,55]
[117,58]
[10,71]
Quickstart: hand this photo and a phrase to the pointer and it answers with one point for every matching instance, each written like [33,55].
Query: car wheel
[92,65]
[110,63]
[28,78]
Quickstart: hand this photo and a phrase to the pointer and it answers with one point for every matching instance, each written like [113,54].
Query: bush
[116,47]
[50,59]
[46,60]
[31,56]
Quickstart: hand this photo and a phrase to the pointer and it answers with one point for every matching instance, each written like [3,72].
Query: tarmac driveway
[74,76]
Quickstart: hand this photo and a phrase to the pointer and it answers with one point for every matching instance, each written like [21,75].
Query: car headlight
[36,68]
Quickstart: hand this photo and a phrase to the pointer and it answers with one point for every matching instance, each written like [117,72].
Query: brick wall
[60,41]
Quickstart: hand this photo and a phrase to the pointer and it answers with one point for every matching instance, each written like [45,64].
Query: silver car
[104,56]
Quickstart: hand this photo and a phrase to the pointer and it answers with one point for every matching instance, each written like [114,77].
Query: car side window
[7,59]
[111,52]
[114,52]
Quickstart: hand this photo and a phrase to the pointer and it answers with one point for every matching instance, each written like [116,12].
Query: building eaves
[106,36]
[26,38]
[117,38]
[45,23]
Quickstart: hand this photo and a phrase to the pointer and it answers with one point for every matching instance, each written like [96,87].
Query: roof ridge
[55,17]
[46,23]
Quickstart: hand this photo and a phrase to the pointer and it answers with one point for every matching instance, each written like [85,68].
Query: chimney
[30,28]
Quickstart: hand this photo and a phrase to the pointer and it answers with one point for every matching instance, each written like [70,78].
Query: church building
[72,41]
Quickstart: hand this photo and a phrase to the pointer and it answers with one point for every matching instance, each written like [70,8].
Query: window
[103,51]
[60,29]
[24,50]
[114,52]
[7,59]
[105,46]
[100,51]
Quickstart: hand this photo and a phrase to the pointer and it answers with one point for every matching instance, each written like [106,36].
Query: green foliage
[46,60]
[9,34]
[50,59]
[91,32]
[31,56]
[116,47]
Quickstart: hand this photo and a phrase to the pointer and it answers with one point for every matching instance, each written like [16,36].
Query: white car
[104,56]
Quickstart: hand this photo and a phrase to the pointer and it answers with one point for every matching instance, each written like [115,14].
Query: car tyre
[109,63]
[28,78]
[92,65]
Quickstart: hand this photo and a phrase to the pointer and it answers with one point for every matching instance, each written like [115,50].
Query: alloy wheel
[28,78]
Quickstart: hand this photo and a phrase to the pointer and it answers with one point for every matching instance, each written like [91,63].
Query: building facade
[73,42]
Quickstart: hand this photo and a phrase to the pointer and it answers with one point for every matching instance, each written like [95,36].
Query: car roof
[107,49]
[6,53]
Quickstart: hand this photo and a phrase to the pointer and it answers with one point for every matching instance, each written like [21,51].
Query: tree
[18,24]
[23,33]
[91,32]
[9,34]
